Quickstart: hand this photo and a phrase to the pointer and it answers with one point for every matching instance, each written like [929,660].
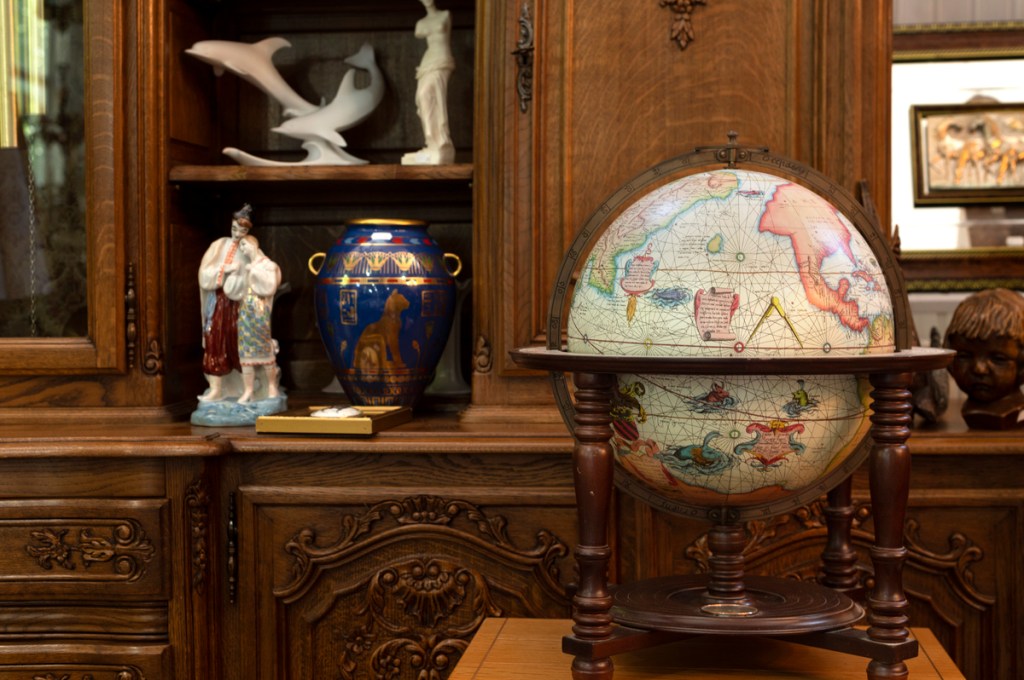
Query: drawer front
[83,549]
[76,662]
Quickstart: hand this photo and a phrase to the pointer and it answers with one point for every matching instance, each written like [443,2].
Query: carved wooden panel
[393,588]
[81,548]
[86,662]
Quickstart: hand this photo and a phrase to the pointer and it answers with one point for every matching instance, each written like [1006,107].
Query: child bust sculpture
[987,332]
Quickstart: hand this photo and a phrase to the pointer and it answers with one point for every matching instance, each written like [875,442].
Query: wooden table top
[531,649]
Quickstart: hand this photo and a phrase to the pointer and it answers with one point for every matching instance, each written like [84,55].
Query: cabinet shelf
[334,173]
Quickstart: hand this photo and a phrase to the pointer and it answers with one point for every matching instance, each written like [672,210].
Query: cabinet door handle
[130,329]
[232,550]
[524,59]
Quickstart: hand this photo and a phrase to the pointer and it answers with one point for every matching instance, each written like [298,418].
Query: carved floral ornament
[413,513]
[418,615]
[125,548]
[682,20]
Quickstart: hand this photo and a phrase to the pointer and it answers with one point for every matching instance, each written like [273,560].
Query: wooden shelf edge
[321,173]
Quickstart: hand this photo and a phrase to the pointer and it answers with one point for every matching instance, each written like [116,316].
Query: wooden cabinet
[159,190]
[252,556]
[167,551]
[104,557]
[176,552]
[553,106]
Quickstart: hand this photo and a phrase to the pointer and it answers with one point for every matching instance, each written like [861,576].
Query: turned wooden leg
[890,486]
[839,557]
[726,568]
[592,461]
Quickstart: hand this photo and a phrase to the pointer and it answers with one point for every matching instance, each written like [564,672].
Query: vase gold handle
[458,263]
[316,268]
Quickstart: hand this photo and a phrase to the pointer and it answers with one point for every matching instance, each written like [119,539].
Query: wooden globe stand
[725,601]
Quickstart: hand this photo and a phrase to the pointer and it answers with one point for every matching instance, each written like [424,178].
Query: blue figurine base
[229,413]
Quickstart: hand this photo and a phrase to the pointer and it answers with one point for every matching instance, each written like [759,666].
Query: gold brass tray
[373,420]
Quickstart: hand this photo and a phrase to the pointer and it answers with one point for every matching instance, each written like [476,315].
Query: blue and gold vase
[384,303]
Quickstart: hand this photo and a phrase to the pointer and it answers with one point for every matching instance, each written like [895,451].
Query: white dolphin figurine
[317,126]
[350,107]
[254,64]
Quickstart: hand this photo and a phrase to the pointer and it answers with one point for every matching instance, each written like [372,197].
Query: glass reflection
[42,169]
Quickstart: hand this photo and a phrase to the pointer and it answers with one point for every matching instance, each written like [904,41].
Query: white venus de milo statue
[432,75]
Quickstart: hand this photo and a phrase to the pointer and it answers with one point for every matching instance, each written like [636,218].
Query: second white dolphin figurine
[317,126]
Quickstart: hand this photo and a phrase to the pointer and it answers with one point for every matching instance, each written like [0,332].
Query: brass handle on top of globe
[315,269]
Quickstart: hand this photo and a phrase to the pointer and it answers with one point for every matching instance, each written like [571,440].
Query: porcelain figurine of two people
[237,284]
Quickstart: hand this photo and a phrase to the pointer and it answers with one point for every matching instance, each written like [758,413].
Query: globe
[742,264]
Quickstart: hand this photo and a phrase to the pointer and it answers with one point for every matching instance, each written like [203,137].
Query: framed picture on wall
[968,153]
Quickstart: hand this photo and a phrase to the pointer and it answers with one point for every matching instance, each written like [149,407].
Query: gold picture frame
[968,153]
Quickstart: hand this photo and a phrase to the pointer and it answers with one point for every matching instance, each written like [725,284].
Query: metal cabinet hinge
[524,59]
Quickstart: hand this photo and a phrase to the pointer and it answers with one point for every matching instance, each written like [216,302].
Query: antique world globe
[729,339]
[731,263]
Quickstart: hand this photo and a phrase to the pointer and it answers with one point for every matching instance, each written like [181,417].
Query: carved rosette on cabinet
[409,614]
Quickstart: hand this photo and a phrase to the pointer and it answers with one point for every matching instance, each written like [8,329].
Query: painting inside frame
[968,153]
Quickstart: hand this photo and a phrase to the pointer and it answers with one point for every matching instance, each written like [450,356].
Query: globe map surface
[732,263]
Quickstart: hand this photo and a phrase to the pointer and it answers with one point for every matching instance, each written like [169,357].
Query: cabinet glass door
[42,173]
[59,113]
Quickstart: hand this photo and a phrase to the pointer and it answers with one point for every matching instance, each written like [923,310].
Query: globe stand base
[768,606]
[729,609]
